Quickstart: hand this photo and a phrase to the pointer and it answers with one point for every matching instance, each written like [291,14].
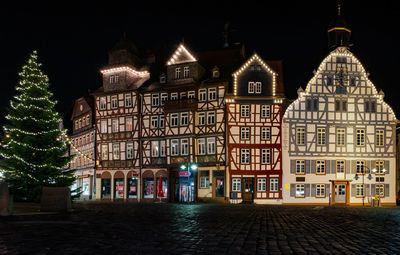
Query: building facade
[254,118]
[82,146]
[339,138]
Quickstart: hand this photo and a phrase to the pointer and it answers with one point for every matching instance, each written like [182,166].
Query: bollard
[4,199]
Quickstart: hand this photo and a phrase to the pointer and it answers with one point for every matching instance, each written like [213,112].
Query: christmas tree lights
[32,151]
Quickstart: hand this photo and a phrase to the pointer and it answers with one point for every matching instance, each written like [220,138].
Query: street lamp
[382,171]
[363,174]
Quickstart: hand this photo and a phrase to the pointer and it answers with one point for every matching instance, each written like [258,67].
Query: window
[251,88]
[174,96]
[359,190]
[340,166]
[320,190]
[379,166]
[340,105]
[321,136]
[245,133]
[210,118]
[202,95]
[162,148]
[360,166]
[212,94]
[114,78]
[210,145]
[178,73]
[154,122]
[182,95]
[265,111]
[184,146]
[116,151]
[115,126]
[300,136]
[83,121]
[128,124]
[380,189]
[103,103]
[129,150]
[87,120]
[103,127]
[174,147]
[128,100]
[163,79]
[370,106]
[174,120]
[360,137]
[80,123]
[104,151]
[258,87]
[201,146]
[265,156]
[340,137]
[215,73]
[186,72]
[236,185]
[244,110]
[245,156]
[265,133]
[204,179]
[155,149]
[184,119]
[320,166]
[76,124]
[201,118]
[261,184]
[273,184]
[114,102]
[155,99]
[191,94]
[300,166]
[161,121]
[312,104]
[164,97]
[379,137]
[299,190]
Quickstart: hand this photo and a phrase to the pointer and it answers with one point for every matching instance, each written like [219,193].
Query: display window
[162,189]
[105,188]
[132,187]
[119,188]
[148,187]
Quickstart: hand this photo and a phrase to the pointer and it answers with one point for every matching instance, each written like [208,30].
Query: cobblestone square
[160,228]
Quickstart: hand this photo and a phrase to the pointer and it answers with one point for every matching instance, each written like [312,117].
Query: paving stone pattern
[124,228]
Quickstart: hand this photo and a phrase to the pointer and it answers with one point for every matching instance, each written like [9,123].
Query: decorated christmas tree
[33,149]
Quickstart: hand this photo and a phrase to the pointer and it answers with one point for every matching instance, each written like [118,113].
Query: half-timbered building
[254,116]
[82,146]
[339,134]
[117,112]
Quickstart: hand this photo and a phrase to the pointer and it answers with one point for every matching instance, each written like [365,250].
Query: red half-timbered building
[254,118]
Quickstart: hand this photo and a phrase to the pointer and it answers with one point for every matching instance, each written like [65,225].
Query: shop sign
[184,173]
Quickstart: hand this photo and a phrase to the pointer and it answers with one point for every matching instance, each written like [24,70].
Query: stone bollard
[4,199]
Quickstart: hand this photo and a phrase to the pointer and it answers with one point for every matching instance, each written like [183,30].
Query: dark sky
[72,40]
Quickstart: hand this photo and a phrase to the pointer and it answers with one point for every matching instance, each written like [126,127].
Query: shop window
[119,188]
[132,187]
[204,179]
[148,188]
[106,188]
[164,187]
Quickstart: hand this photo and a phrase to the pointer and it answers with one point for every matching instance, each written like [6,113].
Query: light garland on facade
[341,52]
[255,57]
[126,69]
[76,149]
[177,53]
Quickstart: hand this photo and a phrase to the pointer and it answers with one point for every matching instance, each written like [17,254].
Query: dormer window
[254,87]
[186,72]
[114,78]
[163,79]
[215,72]
[177,73]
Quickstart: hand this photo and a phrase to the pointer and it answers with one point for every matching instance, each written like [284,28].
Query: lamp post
[189,166]
[363,182]
[382,171]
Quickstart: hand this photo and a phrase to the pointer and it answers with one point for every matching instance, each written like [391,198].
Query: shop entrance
[219,187]
[248,189]
[184,189]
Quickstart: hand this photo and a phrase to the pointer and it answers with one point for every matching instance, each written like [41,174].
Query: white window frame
[212,94]
[104,151]
[320,190]
[184,146]
[116,151]
[261,184]
[360,166]
[174,119]
[103,103]
[174,96]
[245,156]
[155,99]
[155,149]
[360,190]
[163,98]
[201,146]
[320,166]
[244,133]
[129,150]
[191,94]
[202,95]
[300,190]
[380,137]
[274,184]
[128,124]
[300,166]
[184,119]
[236,184]
[178,73]
[360,137]
[201,118]
[211,118]
[266,156]
[265,111]
[175,147]
[128,100]
[186,72]
[114,126]
[154,122]
[265,133]
[300,135]
[211,149]
[258,87]
[340,137]
[114,102]
[250,87]
[245,110]
[321,136]
[103,127]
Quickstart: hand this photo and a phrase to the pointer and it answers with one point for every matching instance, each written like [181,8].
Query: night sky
[73,40]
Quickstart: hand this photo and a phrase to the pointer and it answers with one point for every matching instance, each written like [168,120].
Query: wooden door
[248,189]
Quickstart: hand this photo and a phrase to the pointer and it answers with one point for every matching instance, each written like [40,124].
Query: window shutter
[370,165]
[387,190]
[373,192]
[313,190]
[307,191]
[308,168]
[353,167]
[292,166]
[327,166]
[353,190]
[292,190]
[387,166]
[313,166]
[333,167]
[327,189]
[347,166]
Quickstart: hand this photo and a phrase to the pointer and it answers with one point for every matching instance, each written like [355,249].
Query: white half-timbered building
[254,117]
[339,137]
[117,112]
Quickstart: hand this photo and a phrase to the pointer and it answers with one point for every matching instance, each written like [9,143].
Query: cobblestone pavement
[124,228]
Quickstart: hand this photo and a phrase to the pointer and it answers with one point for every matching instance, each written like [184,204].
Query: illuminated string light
[126,69]
[181,49]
